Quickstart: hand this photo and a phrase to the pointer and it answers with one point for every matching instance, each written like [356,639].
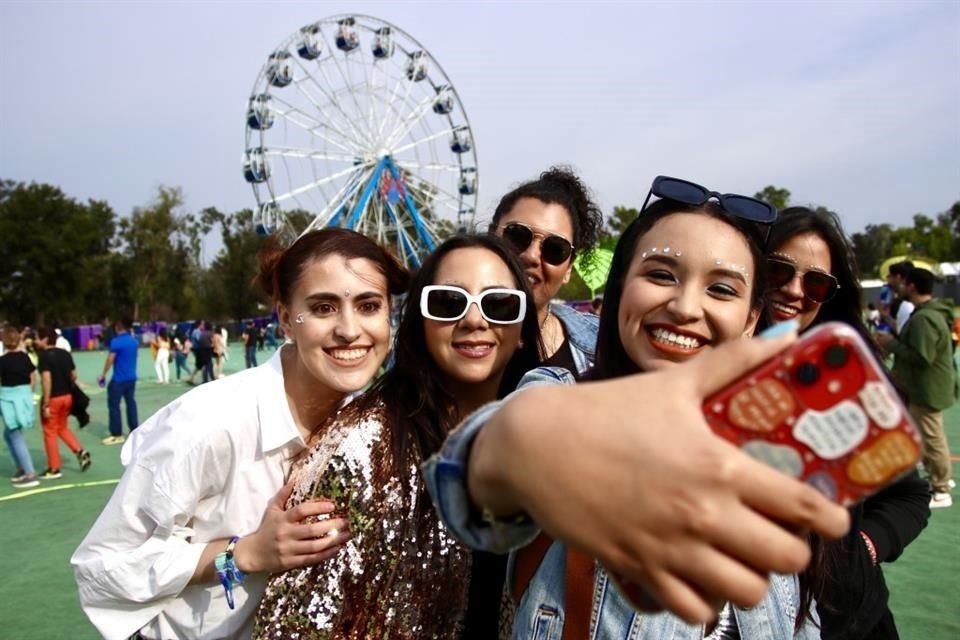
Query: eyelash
[367,307]
[721,289]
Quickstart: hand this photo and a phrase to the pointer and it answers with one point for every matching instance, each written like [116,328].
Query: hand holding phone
[822,412]
[102,382]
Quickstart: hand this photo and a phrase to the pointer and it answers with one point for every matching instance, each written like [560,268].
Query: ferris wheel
[353,123]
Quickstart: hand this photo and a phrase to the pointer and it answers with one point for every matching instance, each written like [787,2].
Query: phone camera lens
[807,374]
[836,356]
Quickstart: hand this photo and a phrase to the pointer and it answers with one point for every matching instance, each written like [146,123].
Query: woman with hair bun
[184,546]
[548,222]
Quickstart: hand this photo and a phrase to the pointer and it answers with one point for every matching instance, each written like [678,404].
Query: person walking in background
[62,342]
[219,352]
[923,365]
[17,378]
[181,350]
[58,374]
[123,383]
[249,338]
[162,362]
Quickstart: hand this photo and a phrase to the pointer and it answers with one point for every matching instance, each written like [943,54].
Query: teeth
[685,342]
[473,347]
[784,308]
[348,354]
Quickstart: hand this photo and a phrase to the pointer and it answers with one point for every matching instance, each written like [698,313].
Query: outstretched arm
[628,471]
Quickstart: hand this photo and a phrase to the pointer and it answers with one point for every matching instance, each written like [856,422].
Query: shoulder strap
[578,584]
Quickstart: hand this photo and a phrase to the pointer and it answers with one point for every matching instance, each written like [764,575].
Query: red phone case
[823,412]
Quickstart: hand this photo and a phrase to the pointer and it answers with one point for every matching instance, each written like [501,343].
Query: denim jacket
[540,611]
[581,332]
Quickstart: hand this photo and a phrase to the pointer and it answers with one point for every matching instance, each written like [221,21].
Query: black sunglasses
[691,193]
[817,286]
[554,249]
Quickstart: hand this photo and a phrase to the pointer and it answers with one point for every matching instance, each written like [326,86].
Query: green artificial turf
[39,530]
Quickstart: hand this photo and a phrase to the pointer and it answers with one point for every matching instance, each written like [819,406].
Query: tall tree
[51,245]
[778,197]
[233,270]
[155,241]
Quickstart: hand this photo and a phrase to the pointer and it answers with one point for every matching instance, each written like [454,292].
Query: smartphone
[822,411]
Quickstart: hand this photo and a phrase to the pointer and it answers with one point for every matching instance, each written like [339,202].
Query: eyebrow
[325,296]
[670,260]
[482,289]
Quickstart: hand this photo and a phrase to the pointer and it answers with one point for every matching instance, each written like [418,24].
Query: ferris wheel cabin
[259,116]
[468,181]
[347,38]
[268,217]
[417,67]
[309,48]
[443,103]
[280,68]
[383,44]
[460,140]
[255,167]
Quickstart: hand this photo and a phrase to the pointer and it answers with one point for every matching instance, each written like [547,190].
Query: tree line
[70,262]
[935,239]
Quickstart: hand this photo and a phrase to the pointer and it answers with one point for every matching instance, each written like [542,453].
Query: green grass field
[41,528]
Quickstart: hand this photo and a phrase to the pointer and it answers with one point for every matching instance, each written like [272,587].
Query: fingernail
[780,329]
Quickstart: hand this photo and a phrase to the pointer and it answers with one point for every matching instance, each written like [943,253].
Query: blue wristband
[227,570]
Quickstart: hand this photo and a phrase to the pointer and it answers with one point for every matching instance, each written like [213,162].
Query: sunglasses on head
[693,194]
[447,303]
[817,286]
[554,249]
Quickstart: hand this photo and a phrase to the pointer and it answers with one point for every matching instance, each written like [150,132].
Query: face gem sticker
[832,433]
[887,456]
[762,406]
[824,483]
[879,405]
[780,457]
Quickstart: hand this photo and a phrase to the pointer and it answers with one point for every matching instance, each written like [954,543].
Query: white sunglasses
[447,303]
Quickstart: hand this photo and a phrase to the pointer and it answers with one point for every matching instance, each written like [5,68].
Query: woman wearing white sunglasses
[464,339]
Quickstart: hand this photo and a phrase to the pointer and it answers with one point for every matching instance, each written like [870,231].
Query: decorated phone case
[822,412]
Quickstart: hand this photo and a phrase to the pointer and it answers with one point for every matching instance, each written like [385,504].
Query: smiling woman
[199,507]
[464,340]
[620,476]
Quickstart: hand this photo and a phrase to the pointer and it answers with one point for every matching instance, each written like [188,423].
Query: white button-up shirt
[204,467]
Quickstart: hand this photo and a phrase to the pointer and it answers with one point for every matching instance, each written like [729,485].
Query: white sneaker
[941,501]
[952,483]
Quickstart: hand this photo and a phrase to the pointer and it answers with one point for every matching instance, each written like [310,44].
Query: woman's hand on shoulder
[628,471]
[288,539]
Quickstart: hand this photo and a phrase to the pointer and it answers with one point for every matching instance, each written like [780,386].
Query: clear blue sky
[853,105]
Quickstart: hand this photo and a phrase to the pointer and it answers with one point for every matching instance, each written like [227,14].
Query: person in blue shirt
[123,382]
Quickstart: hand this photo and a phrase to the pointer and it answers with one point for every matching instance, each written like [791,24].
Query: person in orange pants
[57,375]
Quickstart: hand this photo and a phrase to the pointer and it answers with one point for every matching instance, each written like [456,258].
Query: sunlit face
[472,350]
[547,219]
[676,306]
[807,252]
[339,320]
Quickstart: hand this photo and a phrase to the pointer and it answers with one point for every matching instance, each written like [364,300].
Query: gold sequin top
[401,576]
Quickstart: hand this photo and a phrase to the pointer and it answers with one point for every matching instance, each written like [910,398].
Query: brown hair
[281,268]
[11,337]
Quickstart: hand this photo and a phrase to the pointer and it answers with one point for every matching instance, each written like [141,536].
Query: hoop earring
[299,319]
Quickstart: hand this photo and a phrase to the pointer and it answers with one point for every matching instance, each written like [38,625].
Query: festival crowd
[519,469]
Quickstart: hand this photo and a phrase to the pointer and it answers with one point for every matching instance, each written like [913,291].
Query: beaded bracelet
[227,570]
[871,548]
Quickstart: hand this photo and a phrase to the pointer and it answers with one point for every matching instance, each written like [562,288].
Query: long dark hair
[559,185]
[847,304]
[612,359]
[820,580]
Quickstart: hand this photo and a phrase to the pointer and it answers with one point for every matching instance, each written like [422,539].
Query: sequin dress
[401,576]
